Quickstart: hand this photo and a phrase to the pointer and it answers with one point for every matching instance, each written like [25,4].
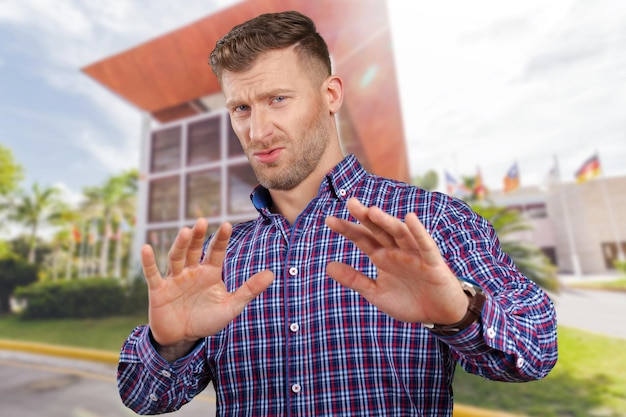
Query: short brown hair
[240,47]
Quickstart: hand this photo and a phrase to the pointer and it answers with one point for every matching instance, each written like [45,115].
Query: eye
[279,99]
[240,108]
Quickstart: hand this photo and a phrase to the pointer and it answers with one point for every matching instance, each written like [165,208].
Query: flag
[93,233]
[589,169]
[76,234]
[456,188]
[479,187]
[511,179]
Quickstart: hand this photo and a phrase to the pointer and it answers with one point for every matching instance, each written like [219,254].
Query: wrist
[172,352]
[476,300]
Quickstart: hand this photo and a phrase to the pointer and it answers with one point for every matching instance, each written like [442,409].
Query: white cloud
[485,83]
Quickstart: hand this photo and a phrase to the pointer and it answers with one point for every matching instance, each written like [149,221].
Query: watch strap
[473,314]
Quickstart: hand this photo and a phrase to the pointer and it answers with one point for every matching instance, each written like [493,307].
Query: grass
[588,380]
[617,285]
[105,334]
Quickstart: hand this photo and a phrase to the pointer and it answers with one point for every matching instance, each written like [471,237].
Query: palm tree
[111,203]
[41,206]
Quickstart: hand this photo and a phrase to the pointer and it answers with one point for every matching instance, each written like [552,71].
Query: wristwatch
[474,311]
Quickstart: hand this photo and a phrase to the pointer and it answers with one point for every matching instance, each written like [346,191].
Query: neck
[290,203]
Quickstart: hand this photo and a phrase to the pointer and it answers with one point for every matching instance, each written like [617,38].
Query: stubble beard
[307,153]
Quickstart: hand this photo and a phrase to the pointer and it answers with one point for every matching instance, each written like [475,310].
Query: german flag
[589,169]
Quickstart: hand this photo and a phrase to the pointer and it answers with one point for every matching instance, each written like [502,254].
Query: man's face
[277,110]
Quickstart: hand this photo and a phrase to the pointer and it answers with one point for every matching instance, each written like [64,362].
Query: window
[234,146]
[241,182]
[165,153]
[163,199]
[203,143]
[203,194]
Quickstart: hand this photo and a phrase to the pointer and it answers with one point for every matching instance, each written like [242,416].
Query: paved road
[36,386]
[595,311]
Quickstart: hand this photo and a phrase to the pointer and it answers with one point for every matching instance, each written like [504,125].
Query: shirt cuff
[482,336]
[156,364]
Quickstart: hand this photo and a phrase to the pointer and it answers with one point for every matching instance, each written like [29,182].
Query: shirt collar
[340,181]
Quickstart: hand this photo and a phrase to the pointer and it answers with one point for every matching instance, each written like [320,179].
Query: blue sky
[483,83]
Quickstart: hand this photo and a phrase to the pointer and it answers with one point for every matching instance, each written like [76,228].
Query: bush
[84,298]
[136,297]
[621,266]
[14,272]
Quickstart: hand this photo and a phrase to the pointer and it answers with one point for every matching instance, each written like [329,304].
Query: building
[581,227]
[192,164]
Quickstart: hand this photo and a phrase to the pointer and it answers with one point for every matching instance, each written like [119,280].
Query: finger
[198,235]
[216,251]
[363,215]
[395,229]
[351,278]
[178,252]
[149,266]
[426,245]
[361,236]
[250,289]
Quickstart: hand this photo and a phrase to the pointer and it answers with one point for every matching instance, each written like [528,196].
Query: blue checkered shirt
[309,347]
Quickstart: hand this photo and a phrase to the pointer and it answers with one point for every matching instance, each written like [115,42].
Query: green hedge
[82,298]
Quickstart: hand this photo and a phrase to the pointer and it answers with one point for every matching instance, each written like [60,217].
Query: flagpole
[568,223]
[609,207]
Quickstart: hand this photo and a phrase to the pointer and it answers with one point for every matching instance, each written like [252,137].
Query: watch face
[468,288]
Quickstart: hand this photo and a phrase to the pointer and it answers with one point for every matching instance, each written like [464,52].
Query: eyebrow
[272,93]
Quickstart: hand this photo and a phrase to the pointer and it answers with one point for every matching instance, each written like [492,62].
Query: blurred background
[113,134]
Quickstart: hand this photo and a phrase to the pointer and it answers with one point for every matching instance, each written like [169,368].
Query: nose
[261,125]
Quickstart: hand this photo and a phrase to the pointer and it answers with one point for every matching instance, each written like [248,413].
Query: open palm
[191,301]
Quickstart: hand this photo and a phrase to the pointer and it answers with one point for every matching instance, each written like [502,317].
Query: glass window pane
[165,150]
[241,182]
[203,194]
[234,146]
[163,199]
[203,144]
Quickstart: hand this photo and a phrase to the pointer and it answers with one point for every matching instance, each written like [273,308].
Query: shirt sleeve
[148,384]
[515,339]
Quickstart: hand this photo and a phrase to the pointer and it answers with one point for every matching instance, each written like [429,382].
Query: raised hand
[414,283]
[191,301]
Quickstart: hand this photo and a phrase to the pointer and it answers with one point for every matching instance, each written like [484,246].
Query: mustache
[260,147]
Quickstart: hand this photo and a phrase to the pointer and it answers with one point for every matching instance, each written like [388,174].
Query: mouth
[268,156]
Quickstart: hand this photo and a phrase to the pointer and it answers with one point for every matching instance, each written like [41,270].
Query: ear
[334,93]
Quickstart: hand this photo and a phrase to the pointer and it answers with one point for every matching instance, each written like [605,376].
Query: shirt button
[520,362]
[166,374]
[491,333]
[293,271]
[296,388]
[153,397]
[342,192]
[294,327]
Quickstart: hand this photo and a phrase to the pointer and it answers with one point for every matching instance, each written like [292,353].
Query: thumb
[254,286]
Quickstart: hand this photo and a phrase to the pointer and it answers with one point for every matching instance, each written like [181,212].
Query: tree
[41,206]
[428,181]
[114,203]
[11,173]
[529,259]
[14,272]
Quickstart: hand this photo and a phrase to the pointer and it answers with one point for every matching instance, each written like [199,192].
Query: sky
[483,84]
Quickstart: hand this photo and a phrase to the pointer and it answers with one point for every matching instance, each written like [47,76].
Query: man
[350,294]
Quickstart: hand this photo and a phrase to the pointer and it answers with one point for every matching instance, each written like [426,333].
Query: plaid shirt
[310,347]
